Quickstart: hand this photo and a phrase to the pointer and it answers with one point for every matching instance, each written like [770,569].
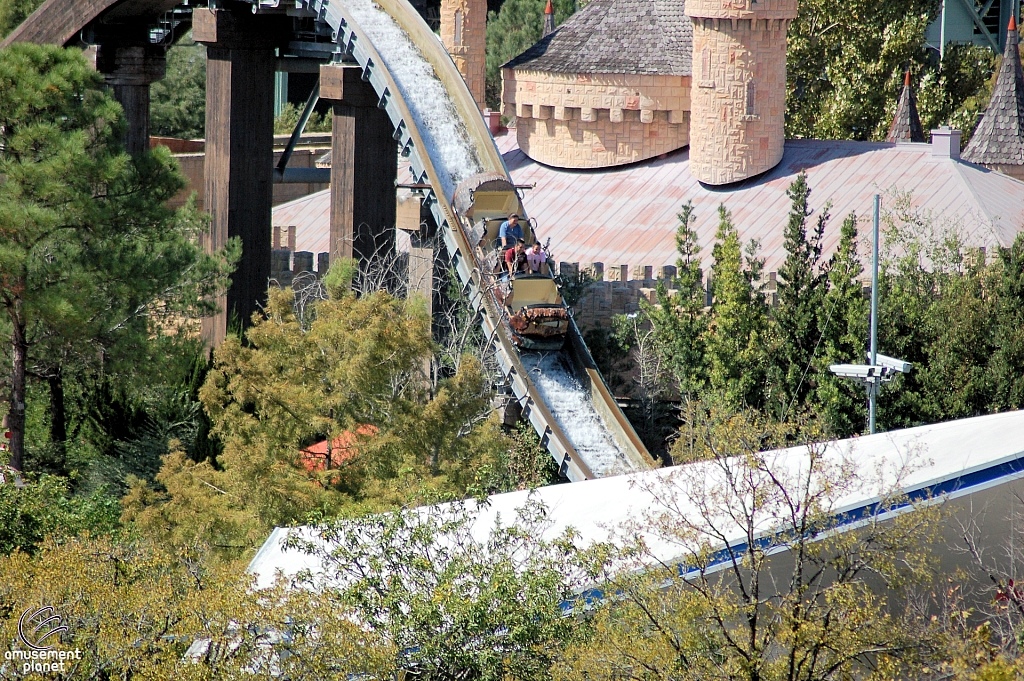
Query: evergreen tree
[91,257]
[1007,363]
[13,12]
[510,31]
[678,320]
[802,286]
[843,328]
[179,100]
[737,335]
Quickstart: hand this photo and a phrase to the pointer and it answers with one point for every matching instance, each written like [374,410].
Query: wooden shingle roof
[999,139]
[643,37]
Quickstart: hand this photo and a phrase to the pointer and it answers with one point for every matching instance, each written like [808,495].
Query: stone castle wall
[738,98]
[464,34]
[596,120]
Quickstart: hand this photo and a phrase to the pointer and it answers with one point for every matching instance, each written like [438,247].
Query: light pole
[880,368]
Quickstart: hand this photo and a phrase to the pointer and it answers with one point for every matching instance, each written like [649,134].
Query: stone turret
[906,124]
[998,142]
[738,92]
[464,34]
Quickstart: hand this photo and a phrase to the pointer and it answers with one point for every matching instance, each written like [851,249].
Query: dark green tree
[13,12]
[843,329]
[737,336]
[517,26]
[1007,365]
[678,320]
[92,260]
[802,286]
[179,100]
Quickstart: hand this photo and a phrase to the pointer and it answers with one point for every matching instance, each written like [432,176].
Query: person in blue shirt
[510,232]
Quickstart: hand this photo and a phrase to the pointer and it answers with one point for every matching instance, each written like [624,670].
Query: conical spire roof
[999,139]
[549,19]
[906,124]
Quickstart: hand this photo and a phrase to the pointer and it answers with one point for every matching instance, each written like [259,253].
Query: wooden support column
[240,67]
[364,166]
[130,71]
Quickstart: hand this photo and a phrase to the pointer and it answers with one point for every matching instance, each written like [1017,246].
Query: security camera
[862,372]
[892,363]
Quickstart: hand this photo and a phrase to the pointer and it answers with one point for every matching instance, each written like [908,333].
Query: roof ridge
[999,137]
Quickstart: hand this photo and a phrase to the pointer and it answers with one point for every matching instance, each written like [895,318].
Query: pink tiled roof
[627,215]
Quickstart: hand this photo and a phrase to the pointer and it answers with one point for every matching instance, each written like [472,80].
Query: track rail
[354,45]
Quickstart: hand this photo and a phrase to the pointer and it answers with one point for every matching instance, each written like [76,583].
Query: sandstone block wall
[596,120]
[464,34]
[738,93]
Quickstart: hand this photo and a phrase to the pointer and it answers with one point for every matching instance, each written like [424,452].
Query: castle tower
[738,92]
[464,34]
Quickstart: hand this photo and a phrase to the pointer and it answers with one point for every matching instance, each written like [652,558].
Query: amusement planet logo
[39,629]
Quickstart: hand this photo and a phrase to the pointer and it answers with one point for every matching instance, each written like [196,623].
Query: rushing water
[571,406]
[432,109]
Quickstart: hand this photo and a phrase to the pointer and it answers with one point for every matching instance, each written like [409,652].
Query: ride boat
[531,305]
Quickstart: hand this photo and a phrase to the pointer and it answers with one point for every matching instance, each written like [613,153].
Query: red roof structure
[627,215]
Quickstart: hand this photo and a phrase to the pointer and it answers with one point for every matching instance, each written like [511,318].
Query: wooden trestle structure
[244,50]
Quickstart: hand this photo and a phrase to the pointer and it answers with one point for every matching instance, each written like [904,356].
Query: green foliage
[94,262]
[13,12]
[957,92]
[845,66]
[354,379]
[738,330]
[516,27]
[458,606]
[178,101]
[678,321]
[802,288]
[43,507]
[286,121]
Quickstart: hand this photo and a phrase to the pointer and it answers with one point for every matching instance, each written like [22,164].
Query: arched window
[458,27]
[751,96]
[705,64]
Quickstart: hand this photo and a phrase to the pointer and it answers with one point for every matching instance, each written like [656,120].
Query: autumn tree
[352,380]
[460,603]
[90,255]
[765,583]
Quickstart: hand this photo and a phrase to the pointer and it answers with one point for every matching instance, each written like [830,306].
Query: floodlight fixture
[891,362]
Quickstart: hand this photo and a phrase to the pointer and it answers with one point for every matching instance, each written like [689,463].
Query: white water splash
[434,114]
[571,406]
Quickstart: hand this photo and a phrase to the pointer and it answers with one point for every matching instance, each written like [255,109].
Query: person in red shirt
[515,259]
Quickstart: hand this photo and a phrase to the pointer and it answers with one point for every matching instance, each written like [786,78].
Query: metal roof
[627,215]
[968,457]
[647,37]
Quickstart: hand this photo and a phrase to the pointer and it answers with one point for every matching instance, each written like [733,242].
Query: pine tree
[736,337]
[802,285]
[1007,364]
[518,25]
[842,324]
[678,320]
[91,258]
